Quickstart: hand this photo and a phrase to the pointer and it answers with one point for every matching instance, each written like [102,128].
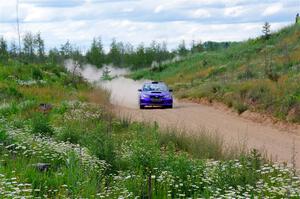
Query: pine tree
[114,55]
[266,29]
[66,50]
[3,50]
[13,51]
[96,53]
[54,56]
[40,46]
[182,49]
[28,47]
[196,47]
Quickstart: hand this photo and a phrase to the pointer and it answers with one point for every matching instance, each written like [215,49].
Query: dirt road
[277,142]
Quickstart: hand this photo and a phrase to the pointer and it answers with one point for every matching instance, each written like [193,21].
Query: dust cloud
[92,73]
[124,91]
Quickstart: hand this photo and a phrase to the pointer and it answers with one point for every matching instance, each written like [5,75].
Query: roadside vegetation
[59,139]
[260,74]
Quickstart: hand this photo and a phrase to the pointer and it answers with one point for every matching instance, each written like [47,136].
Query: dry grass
[96,95]
[45,94]
[202,144]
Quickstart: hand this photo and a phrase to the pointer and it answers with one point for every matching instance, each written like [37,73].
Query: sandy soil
[278,143]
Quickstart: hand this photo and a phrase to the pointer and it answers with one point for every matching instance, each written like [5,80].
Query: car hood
[156,93]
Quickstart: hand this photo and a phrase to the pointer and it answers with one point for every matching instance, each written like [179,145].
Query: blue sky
[138,21]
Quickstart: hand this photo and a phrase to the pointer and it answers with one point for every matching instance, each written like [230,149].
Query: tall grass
[202,144]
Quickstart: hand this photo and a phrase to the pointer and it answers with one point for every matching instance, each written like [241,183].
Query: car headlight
[144,95]
[168,96]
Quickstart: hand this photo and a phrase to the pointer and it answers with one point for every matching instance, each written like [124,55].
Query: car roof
[155,83]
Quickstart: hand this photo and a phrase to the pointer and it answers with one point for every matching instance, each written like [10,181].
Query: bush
[3,136]
[37,74]
[101,142]
[41,126]
[71,134]
[62,109]
[9,92]
[240,107]
[145,152]
[245,75]
[27,105]
[7,109]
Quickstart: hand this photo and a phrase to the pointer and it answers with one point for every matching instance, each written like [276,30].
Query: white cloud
[235,11]
[138,21]
[127,10]
[158,9]
[273,9]
[200,13]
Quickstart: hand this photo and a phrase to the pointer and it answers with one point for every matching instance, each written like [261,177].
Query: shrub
[247,74]
[145,153]
[70,133]
[240,107]
[27,105]
[101,142]
[63,108]
[7,109]
[3,136]
[273,76]
[37,74]
[40,125]
[9,92]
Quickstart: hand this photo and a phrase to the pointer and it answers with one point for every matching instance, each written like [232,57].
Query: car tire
[170,106]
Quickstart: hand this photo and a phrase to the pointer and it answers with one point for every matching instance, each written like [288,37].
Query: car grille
[155,97]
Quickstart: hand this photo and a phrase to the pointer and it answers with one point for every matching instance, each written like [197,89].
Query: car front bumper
[160,102]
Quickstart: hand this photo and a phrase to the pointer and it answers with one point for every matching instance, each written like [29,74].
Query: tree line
[119,54]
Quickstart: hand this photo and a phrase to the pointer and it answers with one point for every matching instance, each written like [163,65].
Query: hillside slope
[258,74]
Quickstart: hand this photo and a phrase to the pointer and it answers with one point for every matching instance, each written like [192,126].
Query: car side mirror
[140,90]
[171,90]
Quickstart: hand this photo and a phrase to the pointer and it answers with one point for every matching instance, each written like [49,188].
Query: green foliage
[182,50]
[8,109]
[240,107]
[96,54]
[258,74]
[102,143]
[71,134]
[266,30]
[145,151]
[37,74]
[41,125]
[7,93]
[202,145]
[3,136]
[3,51]
[246,75]
[92,154]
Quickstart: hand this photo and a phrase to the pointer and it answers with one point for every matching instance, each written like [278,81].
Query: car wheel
[170,106]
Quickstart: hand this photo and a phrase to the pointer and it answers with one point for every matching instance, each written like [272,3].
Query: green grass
[93,154]
[239,77]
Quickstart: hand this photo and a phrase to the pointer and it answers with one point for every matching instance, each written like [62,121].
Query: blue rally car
[155,94]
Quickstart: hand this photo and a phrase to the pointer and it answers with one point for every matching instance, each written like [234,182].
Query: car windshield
[155,87]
